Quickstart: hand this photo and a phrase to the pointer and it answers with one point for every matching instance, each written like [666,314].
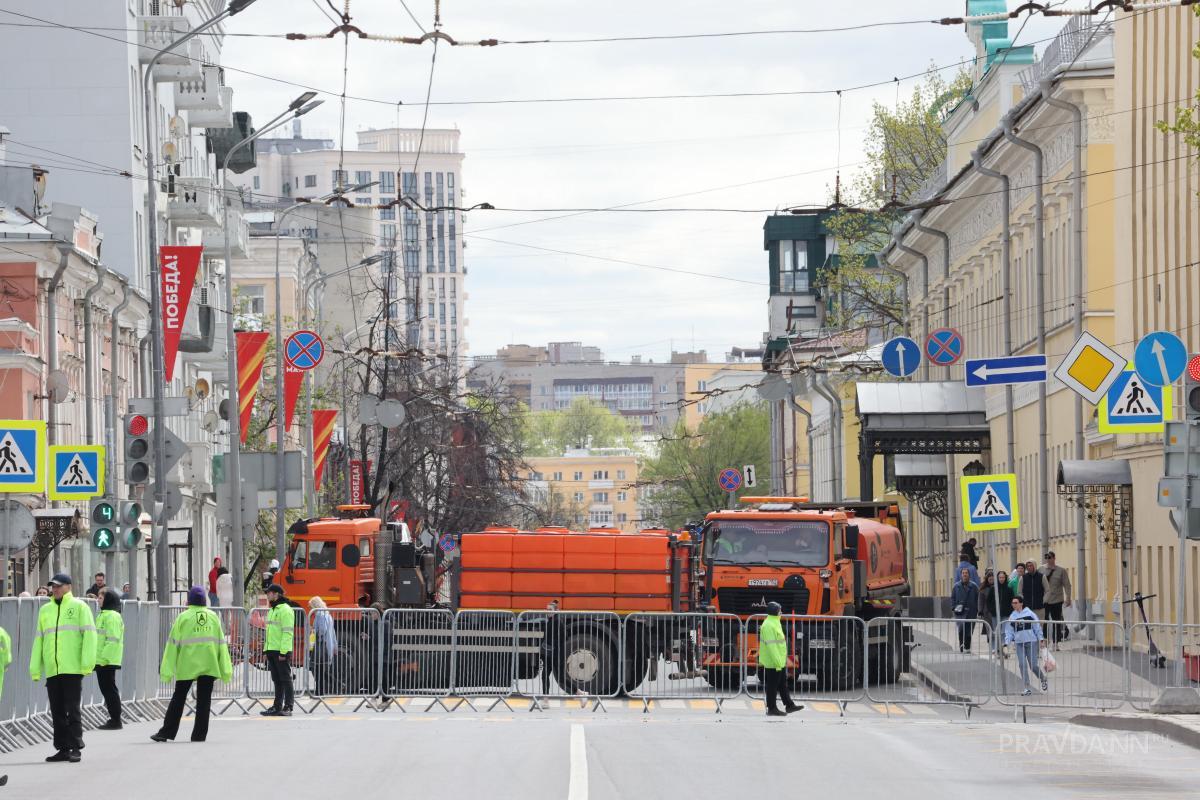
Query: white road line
[578,788]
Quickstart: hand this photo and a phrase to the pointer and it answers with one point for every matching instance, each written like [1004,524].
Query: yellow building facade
[590,489]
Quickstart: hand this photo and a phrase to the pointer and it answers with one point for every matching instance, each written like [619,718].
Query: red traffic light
[1193,368]
[136,424]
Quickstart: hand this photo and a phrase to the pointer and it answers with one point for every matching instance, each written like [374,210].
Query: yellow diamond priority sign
[1090,368]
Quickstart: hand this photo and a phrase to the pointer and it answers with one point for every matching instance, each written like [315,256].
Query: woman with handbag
[1024,630]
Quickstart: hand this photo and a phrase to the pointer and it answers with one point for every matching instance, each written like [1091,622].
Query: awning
[1095,475]
[932,417]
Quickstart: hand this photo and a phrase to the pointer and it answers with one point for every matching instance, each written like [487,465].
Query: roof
[926,397]
[1102,472]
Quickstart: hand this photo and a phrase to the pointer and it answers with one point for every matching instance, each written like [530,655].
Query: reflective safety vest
[280,621]
[110,630]
[65,640]
[5,656]
[196,646]
[772,647]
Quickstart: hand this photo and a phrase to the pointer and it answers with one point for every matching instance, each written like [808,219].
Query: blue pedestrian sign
[901,356]
[22,448]
[944,347]
[1006,369]
[989,502]
[1133,405]
[304,350]
[730,480]
[447,543]
[76,472]
[1160,358]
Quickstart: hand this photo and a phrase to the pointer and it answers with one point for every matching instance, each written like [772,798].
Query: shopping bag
[1048,662]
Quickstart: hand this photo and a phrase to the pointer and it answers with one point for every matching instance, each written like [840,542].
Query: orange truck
[830,562]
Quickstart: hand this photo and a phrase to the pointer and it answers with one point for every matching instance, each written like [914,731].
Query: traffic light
[130,520]
[1191,391]
[102,518]
[139,447]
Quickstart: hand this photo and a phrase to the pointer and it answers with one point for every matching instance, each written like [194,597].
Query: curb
[939,686]
[1163,726]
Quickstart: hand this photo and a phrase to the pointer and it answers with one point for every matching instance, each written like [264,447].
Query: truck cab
[332,558]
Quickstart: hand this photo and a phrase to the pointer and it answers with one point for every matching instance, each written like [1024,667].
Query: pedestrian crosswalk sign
[76,471]
[1131,405]
[22,465]
[989,502]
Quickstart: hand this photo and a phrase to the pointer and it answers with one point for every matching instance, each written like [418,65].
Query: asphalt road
[577,754]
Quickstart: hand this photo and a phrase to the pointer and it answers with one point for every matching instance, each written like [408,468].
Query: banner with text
[178,266]
[293,379]
[251,352]
[358,480]
[322,422]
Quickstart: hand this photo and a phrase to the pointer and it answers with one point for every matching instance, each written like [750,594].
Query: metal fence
[1153,658]
[826,657]
[569,654]
[1087,669]
[342,654]
[930,661]
[682,656]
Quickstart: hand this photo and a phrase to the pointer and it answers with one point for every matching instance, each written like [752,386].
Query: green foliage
[682,479]
[1187,118]
[585,424]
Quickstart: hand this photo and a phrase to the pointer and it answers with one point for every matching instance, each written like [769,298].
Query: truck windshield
[787,542]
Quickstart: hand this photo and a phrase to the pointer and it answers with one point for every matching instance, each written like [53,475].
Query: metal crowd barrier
[416,654]
[343,654]
[1090,670]
[682,657]
[483,655]
[930,661]
[827,656]
[1154,656]
[569,654]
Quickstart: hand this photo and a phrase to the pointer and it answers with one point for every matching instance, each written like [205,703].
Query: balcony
[202,94]
[156,32]
[239,236]
[191,69]
[220,118]
[194,202]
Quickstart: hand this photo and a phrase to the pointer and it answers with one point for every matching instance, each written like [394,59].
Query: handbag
[1048,662]
[958,609]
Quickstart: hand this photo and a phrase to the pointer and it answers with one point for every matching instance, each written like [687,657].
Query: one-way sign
[1006,369]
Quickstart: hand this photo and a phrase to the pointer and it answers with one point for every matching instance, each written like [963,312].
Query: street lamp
[280,422]
[297,108]
[158,381]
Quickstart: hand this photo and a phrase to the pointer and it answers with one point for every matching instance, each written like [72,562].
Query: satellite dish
[774,388]
[170,152]
[799,383]
[177,125]
[211,420]
[390,413]
[225,408]
[367,410]
[58,386]
[202,388]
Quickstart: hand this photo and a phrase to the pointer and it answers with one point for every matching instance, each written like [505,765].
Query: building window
[287,189]
[600,475]
[622,518]
[599,497]
[453,289]
[256,183]
[536,476]
[387,182]
[387,233]
[387,213]
[622,497]
[362,201]
[793,267]
[578,497]
[311,180]
[252,298]
[578,476]
[620,474]
[362,177]
[557,476]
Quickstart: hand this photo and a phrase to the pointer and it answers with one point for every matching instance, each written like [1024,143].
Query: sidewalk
[1179,728]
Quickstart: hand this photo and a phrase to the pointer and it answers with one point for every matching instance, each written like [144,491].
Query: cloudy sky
[630,282]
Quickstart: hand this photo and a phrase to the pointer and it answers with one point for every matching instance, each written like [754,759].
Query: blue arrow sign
[1160,358]
[1006,369]
[901,357]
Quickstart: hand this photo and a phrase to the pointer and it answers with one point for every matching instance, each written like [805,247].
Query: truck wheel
[888,657]
[724,679]
[841,667]
[587,664]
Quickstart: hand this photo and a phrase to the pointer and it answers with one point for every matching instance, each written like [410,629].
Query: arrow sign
[901,356]
[1006,370]
[1160,358]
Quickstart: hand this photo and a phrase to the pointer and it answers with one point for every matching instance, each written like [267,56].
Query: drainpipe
[114,372]
[89,381]
[1039,255]
[902,247]
[808,432]
[51,365]
[945,239]
[823,388]
[1006,290]
[1077,290]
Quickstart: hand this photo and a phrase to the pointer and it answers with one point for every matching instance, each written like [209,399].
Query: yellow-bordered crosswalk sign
[76,471]
[22,456]
[989,502]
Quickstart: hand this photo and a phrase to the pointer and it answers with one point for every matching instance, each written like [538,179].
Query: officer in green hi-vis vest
[772,656]
[5,660]
[64,650]
[197,652]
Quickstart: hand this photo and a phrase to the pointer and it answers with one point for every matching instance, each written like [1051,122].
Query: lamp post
[298,108]
[158,377]
[280,422]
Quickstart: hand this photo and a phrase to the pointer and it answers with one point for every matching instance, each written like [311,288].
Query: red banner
[293,379]
[251,352]
[178,268]
[322,422]
[358,480]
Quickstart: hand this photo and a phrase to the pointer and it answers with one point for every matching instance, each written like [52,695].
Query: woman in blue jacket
[1023,629]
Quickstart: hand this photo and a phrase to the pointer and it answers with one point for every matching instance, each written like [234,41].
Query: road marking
[702,704]
[825,708]
[924,711]
[578,787]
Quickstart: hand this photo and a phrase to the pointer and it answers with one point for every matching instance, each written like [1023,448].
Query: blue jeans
[1027,659]
[212,599]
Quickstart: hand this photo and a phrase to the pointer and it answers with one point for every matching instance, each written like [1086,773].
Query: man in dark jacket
[1033,590]
[964,599]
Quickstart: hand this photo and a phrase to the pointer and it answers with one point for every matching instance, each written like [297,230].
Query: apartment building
[592,488]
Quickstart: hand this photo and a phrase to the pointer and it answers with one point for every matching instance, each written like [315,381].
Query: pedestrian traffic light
[139,445]
[1191,391]
[130,520]
[102,518]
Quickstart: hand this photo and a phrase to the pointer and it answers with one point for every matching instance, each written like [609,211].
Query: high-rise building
[415,188]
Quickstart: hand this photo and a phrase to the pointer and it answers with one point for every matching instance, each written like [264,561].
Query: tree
[549,508]
[585,424]
[682,479]
[904,147]
[1187,118]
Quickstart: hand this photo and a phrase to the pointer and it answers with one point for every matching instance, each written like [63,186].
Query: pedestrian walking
[127,592]
[110,635]
[98,585]
[772,657]
[278,648]
[964,600]
[965,563]
[64,650]
[1023,630]
[196,652]
[968,549]
[42,591]
[1033,590]
[988,604]
[1014,579]
[1058,594]
[5,660]
[212,581]
[224,587]
[322,645]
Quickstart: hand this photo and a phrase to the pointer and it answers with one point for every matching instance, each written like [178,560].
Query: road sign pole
[8,526]
[1184,511]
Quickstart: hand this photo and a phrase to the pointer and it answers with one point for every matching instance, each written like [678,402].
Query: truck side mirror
[351,555]
[850,542]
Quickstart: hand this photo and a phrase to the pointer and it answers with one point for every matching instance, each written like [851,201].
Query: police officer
[196,652]
[64,650]
[110,632]
[5,660]
[772,657]
[278,648]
